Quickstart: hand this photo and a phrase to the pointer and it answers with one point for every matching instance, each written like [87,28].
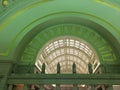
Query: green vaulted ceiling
[22,21]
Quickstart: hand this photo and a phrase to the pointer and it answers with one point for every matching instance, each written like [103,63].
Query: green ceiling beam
[112,79]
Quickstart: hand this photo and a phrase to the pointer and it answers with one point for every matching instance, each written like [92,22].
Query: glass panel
[66,51]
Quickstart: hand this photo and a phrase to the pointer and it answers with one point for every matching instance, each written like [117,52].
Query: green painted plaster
[103,49]
[19,23]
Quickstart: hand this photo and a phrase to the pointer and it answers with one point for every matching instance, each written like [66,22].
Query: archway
[88,37]
[51,19]
[67,50]
[101,46]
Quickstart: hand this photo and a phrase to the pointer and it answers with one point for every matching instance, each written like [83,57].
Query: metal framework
[112,79]
[59,79]
[67,50]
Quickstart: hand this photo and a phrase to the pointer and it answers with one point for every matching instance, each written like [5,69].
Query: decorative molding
[109,4]
[64,79]
[20,69]
[101,46]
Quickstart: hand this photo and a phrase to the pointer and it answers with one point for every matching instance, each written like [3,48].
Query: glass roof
[66,51]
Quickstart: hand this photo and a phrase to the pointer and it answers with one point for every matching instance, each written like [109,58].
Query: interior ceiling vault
[66,51]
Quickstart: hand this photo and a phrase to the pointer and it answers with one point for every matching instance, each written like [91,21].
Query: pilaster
[5,69]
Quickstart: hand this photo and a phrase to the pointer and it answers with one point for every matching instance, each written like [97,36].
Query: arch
[45,20]
[51,53]
[20,36]
[103,49]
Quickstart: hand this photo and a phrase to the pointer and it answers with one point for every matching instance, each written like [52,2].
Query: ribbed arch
[69,56]
[102,47]
[42,40]
[67,50]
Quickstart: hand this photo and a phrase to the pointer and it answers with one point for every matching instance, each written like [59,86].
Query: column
[75,87]
[25,87]
[92,87]
[58,68]
[74,68]
[103,87]
[3,83]
[41,87]
[5,70]
[57,87]
[43,68]
[10,87]
[110,87]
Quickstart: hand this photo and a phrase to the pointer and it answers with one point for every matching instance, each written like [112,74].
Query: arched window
[67,50]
